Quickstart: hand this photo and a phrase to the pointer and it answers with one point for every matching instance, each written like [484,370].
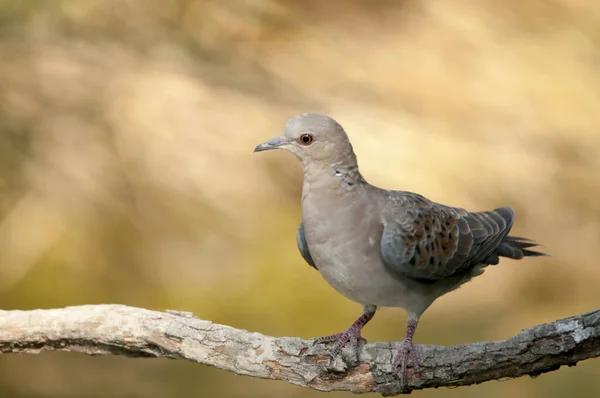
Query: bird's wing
[429,241]
[303,247]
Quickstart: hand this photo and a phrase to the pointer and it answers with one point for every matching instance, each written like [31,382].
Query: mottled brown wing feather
[429,241]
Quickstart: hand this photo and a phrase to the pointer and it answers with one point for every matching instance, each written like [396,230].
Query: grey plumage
[381,247]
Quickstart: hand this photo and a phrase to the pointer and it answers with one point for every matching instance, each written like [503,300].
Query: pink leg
[351,335]
[408,349]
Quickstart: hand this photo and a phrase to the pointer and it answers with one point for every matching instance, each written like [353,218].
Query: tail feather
[516,248]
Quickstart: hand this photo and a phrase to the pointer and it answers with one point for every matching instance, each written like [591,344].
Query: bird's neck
[341,176]
[348,174]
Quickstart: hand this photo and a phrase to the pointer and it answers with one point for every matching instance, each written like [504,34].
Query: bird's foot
[351,335]
[407,350]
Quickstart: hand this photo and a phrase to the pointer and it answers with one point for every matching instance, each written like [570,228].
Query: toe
[400,362]
[342,341]
[351,335]
[354,345]
[328,339]
[414,357]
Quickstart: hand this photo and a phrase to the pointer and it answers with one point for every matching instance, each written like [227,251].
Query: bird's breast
[343,238]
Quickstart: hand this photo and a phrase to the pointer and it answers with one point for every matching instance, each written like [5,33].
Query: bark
[136,332]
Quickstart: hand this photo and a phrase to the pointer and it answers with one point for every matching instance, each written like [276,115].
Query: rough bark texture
[136,332]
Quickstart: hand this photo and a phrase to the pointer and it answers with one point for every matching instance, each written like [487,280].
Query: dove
[385,248]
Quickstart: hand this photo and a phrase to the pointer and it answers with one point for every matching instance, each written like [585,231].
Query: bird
[380,247]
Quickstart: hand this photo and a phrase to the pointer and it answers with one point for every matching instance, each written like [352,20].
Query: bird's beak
[274,143]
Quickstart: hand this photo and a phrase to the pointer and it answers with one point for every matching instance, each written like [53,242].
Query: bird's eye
[306,139]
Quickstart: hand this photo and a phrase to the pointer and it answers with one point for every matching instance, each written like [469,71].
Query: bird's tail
[516,248]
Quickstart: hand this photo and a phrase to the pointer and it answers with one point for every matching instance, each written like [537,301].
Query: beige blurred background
[127,173]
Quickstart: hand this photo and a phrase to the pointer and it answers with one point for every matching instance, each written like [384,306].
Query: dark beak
[271,144]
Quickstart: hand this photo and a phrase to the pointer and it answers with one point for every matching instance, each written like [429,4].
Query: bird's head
[313,138]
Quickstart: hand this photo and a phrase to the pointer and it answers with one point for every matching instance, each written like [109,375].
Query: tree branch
[136,332]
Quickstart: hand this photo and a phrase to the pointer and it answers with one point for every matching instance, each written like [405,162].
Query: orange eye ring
[306,139]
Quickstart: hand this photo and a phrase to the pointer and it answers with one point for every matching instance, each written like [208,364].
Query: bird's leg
[351,335]
[407,349]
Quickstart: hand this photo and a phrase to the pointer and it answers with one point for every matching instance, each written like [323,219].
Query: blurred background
[127,173]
